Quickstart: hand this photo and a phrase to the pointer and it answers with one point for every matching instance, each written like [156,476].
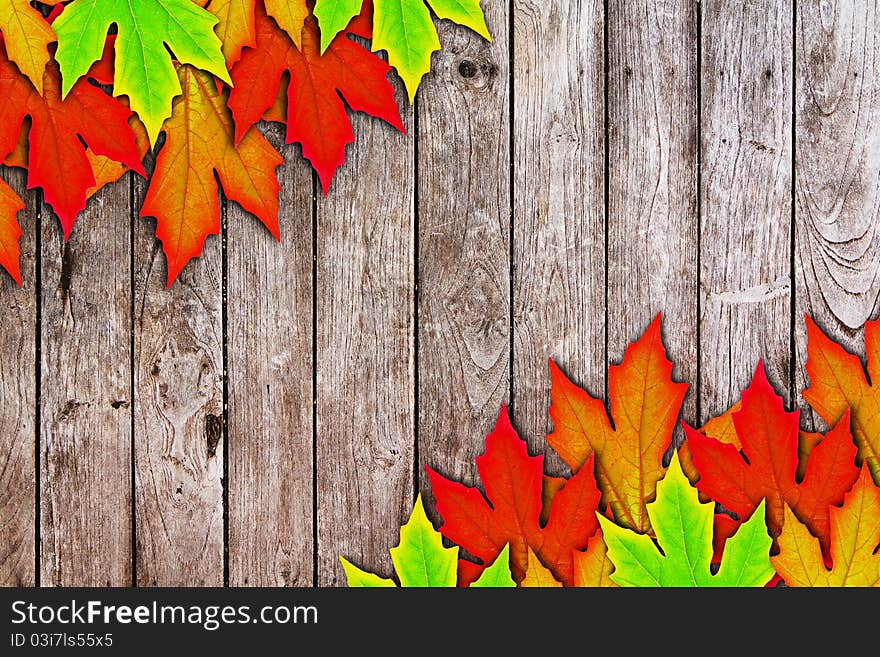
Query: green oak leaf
[684,532]
[420,560]
[404,29]
[144,70]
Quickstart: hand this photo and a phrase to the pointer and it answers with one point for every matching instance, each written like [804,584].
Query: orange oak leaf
[10,231]
[766,463]
[56,154]
[511,509]
[855,537]
[629,446]
[839,384]
[316,115]
[27,36]
[183,194]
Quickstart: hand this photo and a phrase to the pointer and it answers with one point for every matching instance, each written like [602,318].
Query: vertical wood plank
[652,202]
[269,323]
[464,246]
[18,406]
[85,372]
[178,414]
[559,204]
[837,171]
[746,197]
[365,352]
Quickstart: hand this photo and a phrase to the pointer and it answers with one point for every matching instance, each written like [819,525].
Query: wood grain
[838,171]
[178,414]
[464,246]
[85,373]
[365,352]
[18,408]
[270,387]
[652,178]
[559,205]
[746,197]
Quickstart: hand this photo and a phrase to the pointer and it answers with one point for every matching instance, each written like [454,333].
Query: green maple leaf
[420,560]
[684,531]
[404,29]
[144,70]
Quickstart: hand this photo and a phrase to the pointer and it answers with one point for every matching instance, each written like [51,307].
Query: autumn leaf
[683,527]
[316,115]
[10,231]
[235,26]
[290,15]
[27,36]
[537,575]
[629,446]
[593,568]
[420,560]
[56,156]
[511,509]
[855,536]
[403,28]
[839,384]
[766,464]
[143,66]
[334,17]
[183,194]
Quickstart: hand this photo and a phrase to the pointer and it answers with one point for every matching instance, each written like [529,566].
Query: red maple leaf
[316,115]
[767,465]
[57,159]
[510,511]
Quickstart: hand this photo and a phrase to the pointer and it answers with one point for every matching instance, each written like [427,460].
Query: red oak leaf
[57,159]
[316,115]
[510,511]
[766,466]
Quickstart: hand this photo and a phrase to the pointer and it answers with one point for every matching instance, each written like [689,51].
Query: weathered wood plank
[746,197]
[269,325]
[178,414]
[464,246]
[559,205]
[365,352]
[837,172]
[18,406]
[85,372]
[652,201]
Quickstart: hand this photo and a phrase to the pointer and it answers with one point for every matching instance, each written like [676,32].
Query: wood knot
[467,69]
[213,432]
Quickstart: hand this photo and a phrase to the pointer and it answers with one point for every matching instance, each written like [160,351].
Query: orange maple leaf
[645,403]
[10,231]
[27,36]
[855,536]
[838,383]
[183,194]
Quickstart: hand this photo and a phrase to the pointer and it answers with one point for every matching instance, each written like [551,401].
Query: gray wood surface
[270,387]
[745,255]
[652,179]
[18,408]
[464,247]
[838,172]
[365,429]
[86,395]
[178,415]
[741,172]
[559,205]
